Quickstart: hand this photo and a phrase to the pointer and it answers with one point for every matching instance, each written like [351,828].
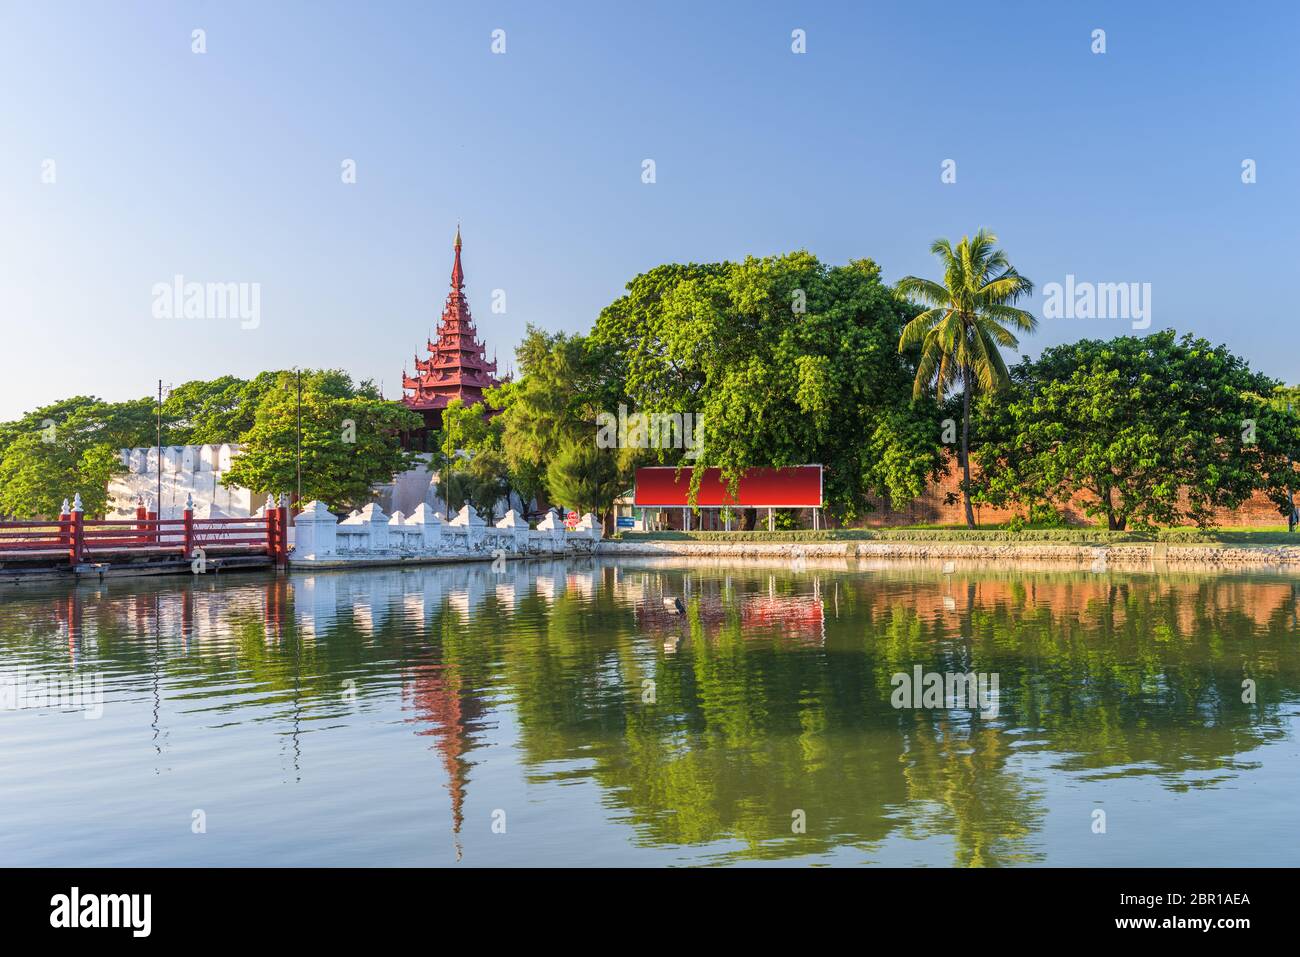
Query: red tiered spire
[457,273]
[457,365]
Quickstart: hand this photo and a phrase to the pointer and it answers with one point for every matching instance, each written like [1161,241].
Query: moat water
[559,714]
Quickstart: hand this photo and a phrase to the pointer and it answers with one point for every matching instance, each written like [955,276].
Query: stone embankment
[369,537]
[1140,554]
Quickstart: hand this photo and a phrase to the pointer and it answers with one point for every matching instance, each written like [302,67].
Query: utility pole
[158,500]
[1290,488]
[298,374]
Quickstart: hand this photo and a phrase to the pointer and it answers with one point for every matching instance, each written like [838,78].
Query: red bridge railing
[80,540]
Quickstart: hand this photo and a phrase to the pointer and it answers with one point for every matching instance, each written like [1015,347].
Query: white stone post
[472,522]
[315,531]
[553,525]
[430,524]
[590,524]
[373,517]
[397,530]
[514,523]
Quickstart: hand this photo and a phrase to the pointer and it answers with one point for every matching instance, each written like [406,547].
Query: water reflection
[698,734]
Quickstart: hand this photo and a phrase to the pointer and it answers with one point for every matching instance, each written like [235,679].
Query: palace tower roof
[457,366]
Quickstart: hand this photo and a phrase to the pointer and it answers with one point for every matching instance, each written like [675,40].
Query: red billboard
[796,486]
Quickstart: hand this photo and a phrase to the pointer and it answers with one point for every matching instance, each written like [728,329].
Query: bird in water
[675,606]
[949,567]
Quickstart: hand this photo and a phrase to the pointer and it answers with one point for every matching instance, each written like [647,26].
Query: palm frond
[926,290]
[970,316]
[1009,286]
[999,333]
[917,328]
[1022,320]
[991,370]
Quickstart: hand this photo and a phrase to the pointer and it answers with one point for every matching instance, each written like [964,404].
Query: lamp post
[1290,489]
[159,463]
[298,375]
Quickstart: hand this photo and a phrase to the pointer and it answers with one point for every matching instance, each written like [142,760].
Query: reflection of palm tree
[960,772]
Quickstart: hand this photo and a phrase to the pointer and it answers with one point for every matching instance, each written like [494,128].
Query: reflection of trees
[958,783]
[769,695]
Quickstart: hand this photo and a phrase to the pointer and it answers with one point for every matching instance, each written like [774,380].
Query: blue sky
[225,166]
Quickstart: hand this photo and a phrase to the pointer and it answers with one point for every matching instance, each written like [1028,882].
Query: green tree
[68,448]
[350,440]
[965,326]
[584,477]
[215,411]
[484,482]
[787,361]
[473,463]
[471,466]
[1154,430]
[566,381]
[525,475]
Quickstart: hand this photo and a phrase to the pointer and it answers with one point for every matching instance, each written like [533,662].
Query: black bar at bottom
[299,906]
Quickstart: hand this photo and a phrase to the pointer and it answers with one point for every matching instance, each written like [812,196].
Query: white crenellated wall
[188,471]
[371,537]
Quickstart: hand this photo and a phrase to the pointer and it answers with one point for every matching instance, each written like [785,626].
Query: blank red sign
[796,486]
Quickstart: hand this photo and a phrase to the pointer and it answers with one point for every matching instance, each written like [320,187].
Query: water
[562,715]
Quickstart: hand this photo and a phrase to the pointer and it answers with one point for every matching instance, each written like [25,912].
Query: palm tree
[968,319]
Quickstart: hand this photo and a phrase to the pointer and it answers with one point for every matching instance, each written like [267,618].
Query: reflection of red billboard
[797,486]
[796,616]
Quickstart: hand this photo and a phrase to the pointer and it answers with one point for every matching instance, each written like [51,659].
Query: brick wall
[930,509]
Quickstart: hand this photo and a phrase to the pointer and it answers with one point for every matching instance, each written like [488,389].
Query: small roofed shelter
[661,488]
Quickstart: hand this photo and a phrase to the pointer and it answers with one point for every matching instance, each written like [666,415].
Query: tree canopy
[781,360]
[69,447]
[351,440]
[551,411]
[787,361]
[1153,430]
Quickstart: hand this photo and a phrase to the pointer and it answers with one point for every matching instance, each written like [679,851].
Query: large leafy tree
[350,440]
[566,381]
[968,320]
[787,361]
[67,448]
[472,465]
[203,412]
[1151,430]
[507,440]
[40,420]
[584,477]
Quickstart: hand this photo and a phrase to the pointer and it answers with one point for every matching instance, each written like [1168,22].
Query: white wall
[194,470]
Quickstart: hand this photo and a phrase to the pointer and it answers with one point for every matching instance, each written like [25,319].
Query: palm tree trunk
[965,446]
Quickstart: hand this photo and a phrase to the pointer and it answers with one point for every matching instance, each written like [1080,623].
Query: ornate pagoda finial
[457,273]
